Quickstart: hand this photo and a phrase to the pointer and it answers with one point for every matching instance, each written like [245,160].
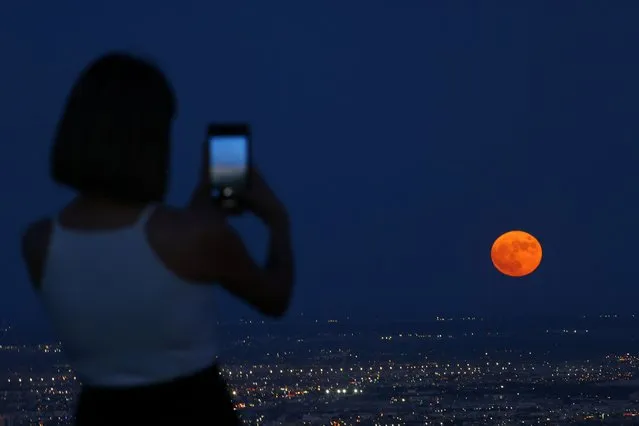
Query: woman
[127,281]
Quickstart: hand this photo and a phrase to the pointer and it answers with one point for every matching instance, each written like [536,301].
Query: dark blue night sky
[403,135]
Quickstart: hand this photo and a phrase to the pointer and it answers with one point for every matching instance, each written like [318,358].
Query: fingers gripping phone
[229,163]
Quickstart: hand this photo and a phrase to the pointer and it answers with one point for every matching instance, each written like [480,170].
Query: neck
[100,201]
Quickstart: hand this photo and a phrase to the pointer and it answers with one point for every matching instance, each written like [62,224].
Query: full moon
[516,253]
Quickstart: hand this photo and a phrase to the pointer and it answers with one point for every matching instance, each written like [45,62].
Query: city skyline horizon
[28,330]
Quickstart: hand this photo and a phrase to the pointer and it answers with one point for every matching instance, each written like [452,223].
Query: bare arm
[227,262]
[280,262]
[223,258]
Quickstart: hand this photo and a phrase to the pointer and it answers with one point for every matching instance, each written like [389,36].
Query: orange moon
[516,253]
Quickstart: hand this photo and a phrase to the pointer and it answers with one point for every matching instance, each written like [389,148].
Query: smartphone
[229,163]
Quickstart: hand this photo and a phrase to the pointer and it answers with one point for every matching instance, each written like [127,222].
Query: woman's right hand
[262,201]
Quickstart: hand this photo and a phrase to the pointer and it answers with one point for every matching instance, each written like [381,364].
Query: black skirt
[200,399]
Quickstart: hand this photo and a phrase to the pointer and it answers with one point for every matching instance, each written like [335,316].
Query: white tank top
[123,318]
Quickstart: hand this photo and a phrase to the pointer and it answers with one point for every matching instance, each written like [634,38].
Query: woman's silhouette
[127,281]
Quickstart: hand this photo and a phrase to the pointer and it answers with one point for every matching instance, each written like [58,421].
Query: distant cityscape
[443,371]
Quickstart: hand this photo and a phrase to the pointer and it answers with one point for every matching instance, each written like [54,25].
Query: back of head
[113,139]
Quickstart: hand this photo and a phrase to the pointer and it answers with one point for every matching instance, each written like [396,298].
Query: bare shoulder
[34,247]
[189,224]
[176,236]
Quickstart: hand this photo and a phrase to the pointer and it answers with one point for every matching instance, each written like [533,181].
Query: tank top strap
[55,226]
[145,215]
